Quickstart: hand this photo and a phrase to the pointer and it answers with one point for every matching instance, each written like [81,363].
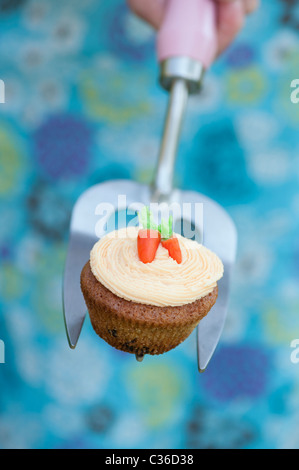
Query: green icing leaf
[147,222]
[146,219]
[165,228]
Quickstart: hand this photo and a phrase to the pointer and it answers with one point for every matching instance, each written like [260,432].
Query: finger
[149,10]
[250,6]
[230,21]
[226,1]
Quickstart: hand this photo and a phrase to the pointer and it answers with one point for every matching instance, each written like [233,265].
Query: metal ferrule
[185,68]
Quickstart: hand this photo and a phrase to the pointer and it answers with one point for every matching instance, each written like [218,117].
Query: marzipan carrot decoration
[150,236]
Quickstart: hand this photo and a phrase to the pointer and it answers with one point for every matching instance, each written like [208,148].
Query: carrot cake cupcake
[146,289]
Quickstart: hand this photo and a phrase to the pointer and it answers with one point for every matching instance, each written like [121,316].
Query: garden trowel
[186,46]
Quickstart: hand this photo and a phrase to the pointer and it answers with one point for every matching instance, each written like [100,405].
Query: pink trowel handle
[188,29]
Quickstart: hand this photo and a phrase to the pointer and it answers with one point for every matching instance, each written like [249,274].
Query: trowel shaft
[172,127]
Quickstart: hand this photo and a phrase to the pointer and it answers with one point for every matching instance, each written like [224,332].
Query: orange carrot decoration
[169,241]
[148,241]
[173,247]
[148,238]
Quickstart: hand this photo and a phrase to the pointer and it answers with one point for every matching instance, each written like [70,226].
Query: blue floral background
[83,105]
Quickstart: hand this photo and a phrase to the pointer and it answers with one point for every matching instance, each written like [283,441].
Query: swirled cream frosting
[115,263]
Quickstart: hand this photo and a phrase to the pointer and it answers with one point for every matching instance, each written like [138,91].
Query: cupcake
[146,290]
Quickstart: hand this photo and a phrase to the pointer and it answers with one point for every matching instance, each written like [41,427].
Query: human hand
[230,16]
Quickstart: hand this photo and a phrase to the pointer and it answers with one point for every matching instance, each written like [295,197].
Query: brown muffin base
[138,328]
